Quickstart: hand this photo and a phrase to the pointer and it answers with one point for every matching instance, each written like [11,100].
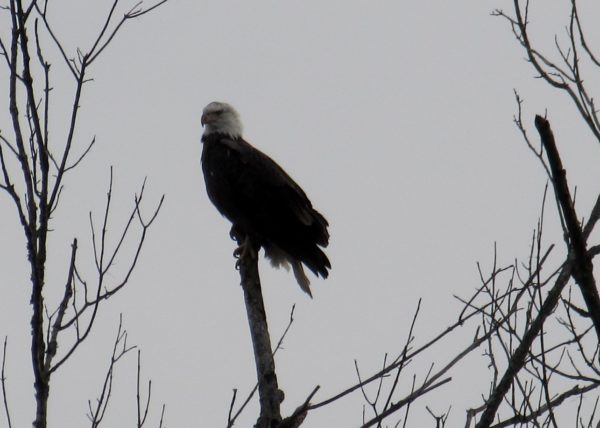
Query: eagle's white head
[221,118]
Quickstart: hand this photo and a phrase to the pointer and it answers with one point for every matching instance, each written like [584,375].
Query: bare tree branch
[231,419]
[3,381]
[103,264]
[120,349]
[557,401]
[142,413]
[583,270]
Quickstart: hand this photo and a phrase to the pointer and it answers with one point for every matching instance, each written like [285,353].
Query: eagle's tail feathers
[301,277]
[318,262]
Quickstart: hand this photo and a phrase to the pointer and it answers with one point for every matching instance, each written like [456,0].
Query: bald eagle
[259,198]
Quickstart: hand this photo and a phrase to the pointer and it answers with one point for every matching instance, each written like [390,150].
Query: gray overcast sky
[395,117]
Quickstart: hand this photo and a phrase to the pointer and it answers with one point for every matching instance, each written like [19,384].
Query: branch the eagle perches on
[270,396]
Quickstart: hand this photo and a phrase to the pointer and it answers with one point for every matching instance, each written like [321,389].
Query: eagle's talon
[234,233]
[238,252]
[245,249]
[241,252]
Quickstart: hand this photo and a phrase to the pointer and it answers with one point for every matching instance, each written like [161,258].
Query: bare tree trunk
[41,375]
[270,396]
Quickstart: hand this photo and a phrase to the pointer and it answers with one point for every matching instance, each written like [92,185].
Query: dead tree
[575,58]
[34,166]
[536,323]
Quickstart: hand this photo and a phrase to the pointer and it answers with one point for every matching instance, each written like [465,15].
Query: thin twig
[3,379]
[141,419]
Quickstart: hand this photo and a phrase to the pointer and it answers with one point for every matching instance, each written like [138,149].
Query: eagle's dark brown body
[261,200]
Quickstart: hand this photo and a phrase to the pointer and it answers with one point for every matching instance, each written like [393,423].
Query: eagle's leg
[245,249]
[246,245]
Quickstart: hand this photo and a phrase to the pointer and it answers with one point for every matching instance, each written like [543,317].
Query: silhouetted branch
[142,412]
[100,44]
[120,349]
[592,220]
[566,76]
[403,358]
[440,420]
[436,378]
[557,401]
[583,270]
[405,401]
[231,419]
[517,359]
[104,259]
[162,416]
[518,120]
[270,396]
[62,308]
[296,418]
[3,381]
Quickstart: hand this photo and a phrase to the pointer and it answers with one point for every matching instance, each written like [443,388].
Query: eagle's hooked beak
[204,119]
